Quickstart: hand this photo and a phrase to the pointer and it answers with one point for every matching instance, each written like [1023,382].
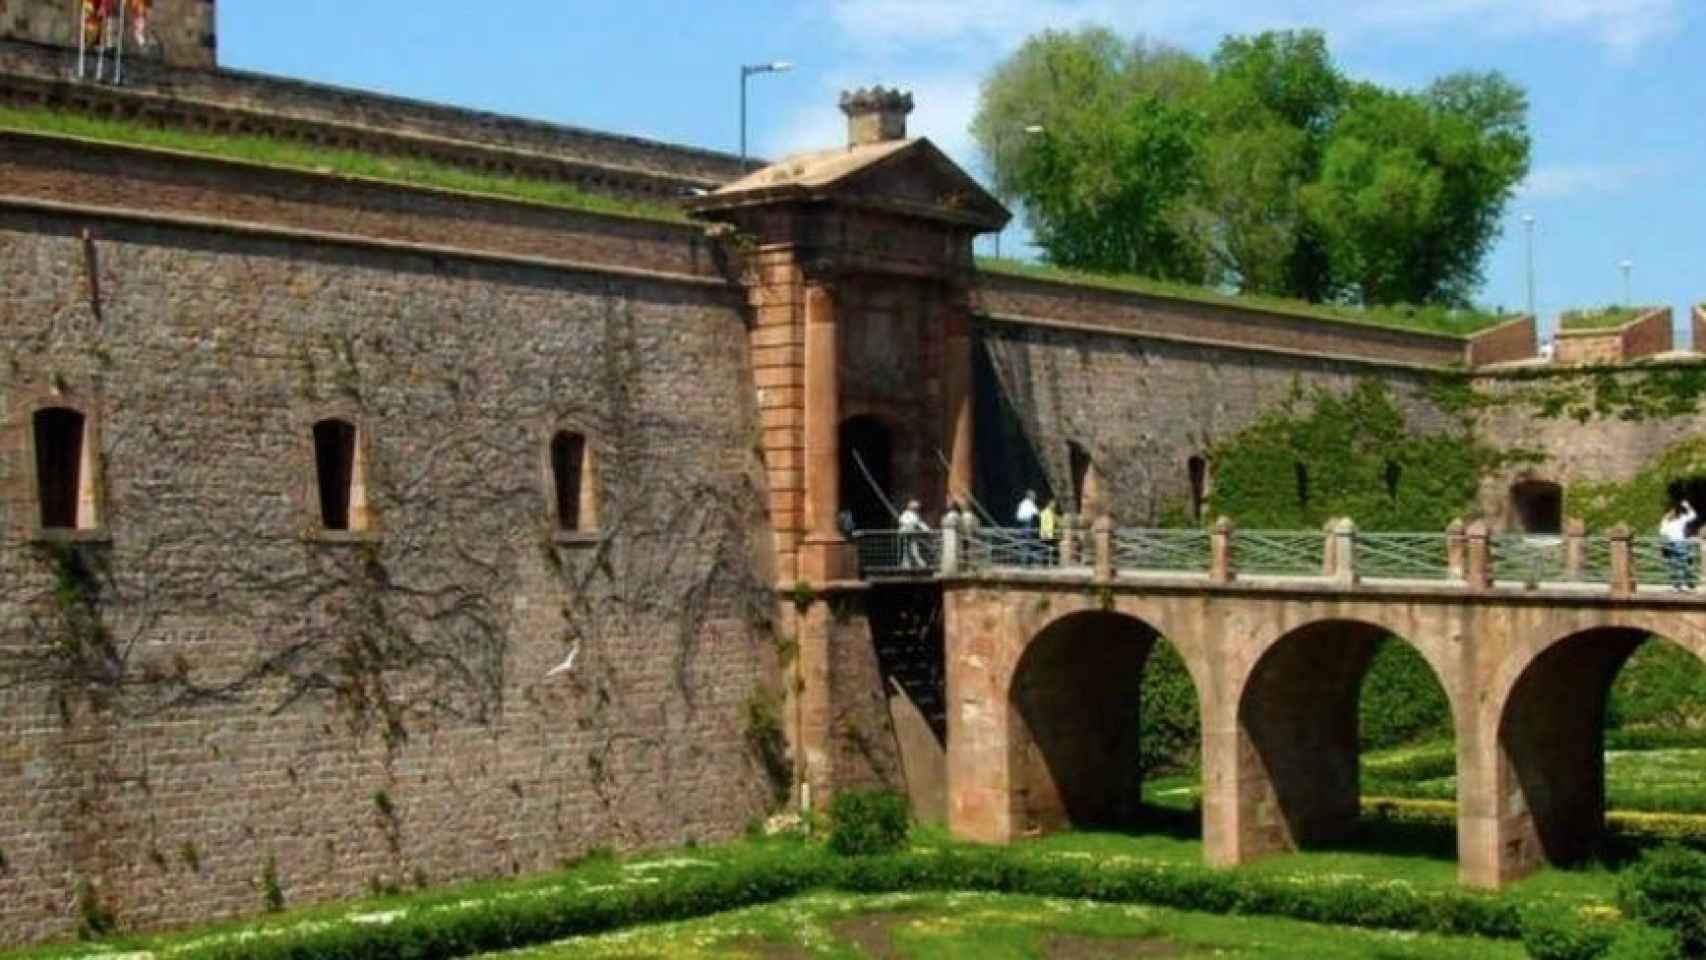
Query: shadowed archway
[1299,713]
[1551,738]
[867,440]
[1075,694]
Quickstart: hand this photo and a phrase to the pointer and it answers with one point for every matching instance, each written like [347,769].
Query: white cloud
[1574,179]
[1620,26]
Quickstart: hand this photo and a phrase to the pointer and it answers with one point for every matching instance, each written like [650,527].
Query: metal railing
[1008,547]
[1526,559]
[1162,550]
[1403,556]
[891,552]
[1223,554]
[1279,552]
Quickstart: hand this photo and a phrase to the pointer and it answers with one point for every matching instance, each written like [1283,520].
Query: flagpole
[118,70]
[80,17]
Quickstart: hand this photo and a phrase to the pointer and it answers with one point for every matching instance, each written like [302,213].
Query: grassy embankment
[288,154]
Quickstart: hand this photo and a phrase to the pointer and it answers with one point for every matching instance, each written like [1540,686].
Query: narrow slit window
[59,467]
[1197,468]
[334,459]
[568,475]
[1394,474]
[1083,480]
[1302,485]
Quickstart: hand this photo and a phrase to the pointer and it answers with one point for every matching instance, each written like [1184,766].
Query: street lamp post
[747,70]
[1031,130]
[1626,266]
[1528,229]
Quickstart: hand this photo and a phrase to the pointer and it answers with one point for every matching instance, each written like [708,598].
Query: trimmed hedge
[1666,888]
[442,933]
[868,822]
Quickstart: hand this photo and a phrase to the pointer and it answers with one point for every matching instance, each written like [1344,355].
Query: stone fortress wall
[378,707]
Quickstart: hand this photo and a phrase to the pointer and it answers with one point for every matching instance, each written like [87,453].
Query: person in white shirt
[1679,552]
[912,526]
[1026,516]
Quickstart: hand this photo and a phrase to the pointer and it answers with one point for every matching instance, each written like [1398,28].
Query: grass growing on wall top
[1605,318]
[289,154]
[1435,320]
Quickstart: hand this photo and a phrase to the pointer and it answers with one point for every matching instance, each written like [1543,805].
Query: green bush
[1402,701]
[1552,933]
[1666,888]
[1168,716]
[866,822]
[1637,941]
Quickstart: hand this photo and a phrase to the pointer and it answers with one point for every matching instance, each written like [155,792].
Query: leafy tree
[1262,169]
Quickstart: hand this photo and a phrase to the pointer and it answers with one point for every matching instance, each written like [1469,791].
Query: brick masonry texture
[1021,298]
[1141,408]
[372,711]
[1644,336]
[170,183]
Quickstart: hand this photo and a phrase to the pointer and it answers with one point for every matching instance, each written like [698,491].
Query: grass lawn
[994,927]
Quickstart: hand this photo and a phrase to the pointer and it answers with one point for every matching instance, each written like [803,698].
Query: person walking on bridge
[1678,549]
[1027,517]
[912,530]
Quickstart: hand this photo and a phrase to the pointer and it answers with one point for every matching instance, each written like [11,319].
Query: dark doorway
[866,441]
[1692,489]
[1538,506]
[59,460]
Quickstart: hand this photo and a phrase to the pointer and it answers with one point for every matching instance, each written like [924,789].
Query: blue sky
[1618,99]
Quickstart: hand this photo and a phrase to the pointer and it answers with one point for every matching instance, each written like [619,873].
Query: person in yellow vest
[1048,530]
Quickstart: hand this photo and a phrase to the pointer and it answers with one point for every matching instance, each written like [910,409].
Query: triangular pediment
[912,176]
[924,178]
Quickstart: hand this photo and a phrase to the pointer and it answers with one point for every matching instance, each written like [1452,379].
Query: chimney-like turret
[876,115]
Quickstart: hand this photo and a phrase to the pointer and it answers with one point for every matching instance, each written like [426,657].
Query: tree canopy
[1263,168]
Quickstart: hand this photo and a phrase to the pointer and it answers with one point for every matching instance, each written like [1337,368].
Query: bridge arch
[1073,720]
[1298,755]
[1547,731]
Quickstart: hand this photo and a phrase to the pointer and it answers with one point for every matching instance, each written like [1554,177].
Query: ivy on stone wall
[1583,395]
[1322,455]
[1642,499]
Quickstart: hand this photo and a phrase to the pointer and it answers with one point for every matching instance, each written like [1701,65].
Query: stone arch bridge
[1044,662]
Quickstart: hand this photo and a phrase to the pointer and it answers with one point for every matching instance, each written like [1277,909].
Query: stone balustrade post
[1102,540]
[1344,541]
[1622,561]
[1575,549]
[1329,559]
[1220,552]
[1456,550]
[1068,539]
[950,565]
[1478,568]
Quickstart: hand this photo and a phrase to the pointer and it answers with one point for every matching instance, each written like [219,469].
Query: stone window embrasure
[340,475]
[574,504]
[66,484]
[1197,470]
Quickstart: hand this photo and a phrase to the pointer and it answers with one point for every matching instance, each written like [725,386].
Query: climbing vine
[1322,455]
[1580,395]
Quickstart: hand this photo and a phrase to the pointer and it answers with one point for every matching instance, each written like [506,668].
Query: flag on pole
[139,10]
